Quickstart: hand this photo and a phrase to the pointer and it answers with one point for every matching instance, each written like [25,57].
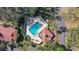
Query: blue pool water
[35,28]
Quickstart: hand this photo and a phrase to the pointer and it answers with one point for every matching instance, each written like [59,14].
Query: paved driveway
[60,22]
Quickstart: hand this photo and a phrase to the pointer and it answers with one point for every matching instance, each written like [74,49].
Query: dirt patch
[72,24]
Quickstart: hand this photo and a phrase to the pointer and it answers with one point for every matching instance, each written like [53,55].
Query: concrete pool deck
[36,38]
[33,37]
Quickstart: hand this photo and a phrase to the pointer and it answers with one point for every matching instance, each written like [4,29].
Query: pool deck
[36,37]
[33,37]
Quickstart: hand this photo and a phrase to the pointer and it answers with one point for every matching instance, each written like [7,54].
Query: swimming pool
[35,28]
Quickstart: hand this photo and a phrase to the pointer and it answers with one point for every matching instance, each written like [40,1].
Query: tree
[53,47]
[44,12]
[24,45]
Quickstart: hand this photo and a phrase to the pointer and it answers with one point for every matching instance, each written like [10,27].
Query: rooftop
[7,32]
[45,35]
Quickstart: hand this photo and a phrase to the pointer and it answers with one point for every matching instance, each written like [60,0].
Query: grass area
[67,17]
[69,13]
[23,46]
[52,26]
[73,38]
[70,24]
[52,47]
[72,20]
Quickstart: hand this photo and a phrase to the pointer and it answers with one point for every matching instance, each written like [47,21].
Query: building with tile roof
[38,31]
[7,33]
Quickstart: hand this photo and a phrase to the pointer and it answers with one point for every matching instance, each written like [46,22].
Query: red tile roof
[8,33]
[45,35]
